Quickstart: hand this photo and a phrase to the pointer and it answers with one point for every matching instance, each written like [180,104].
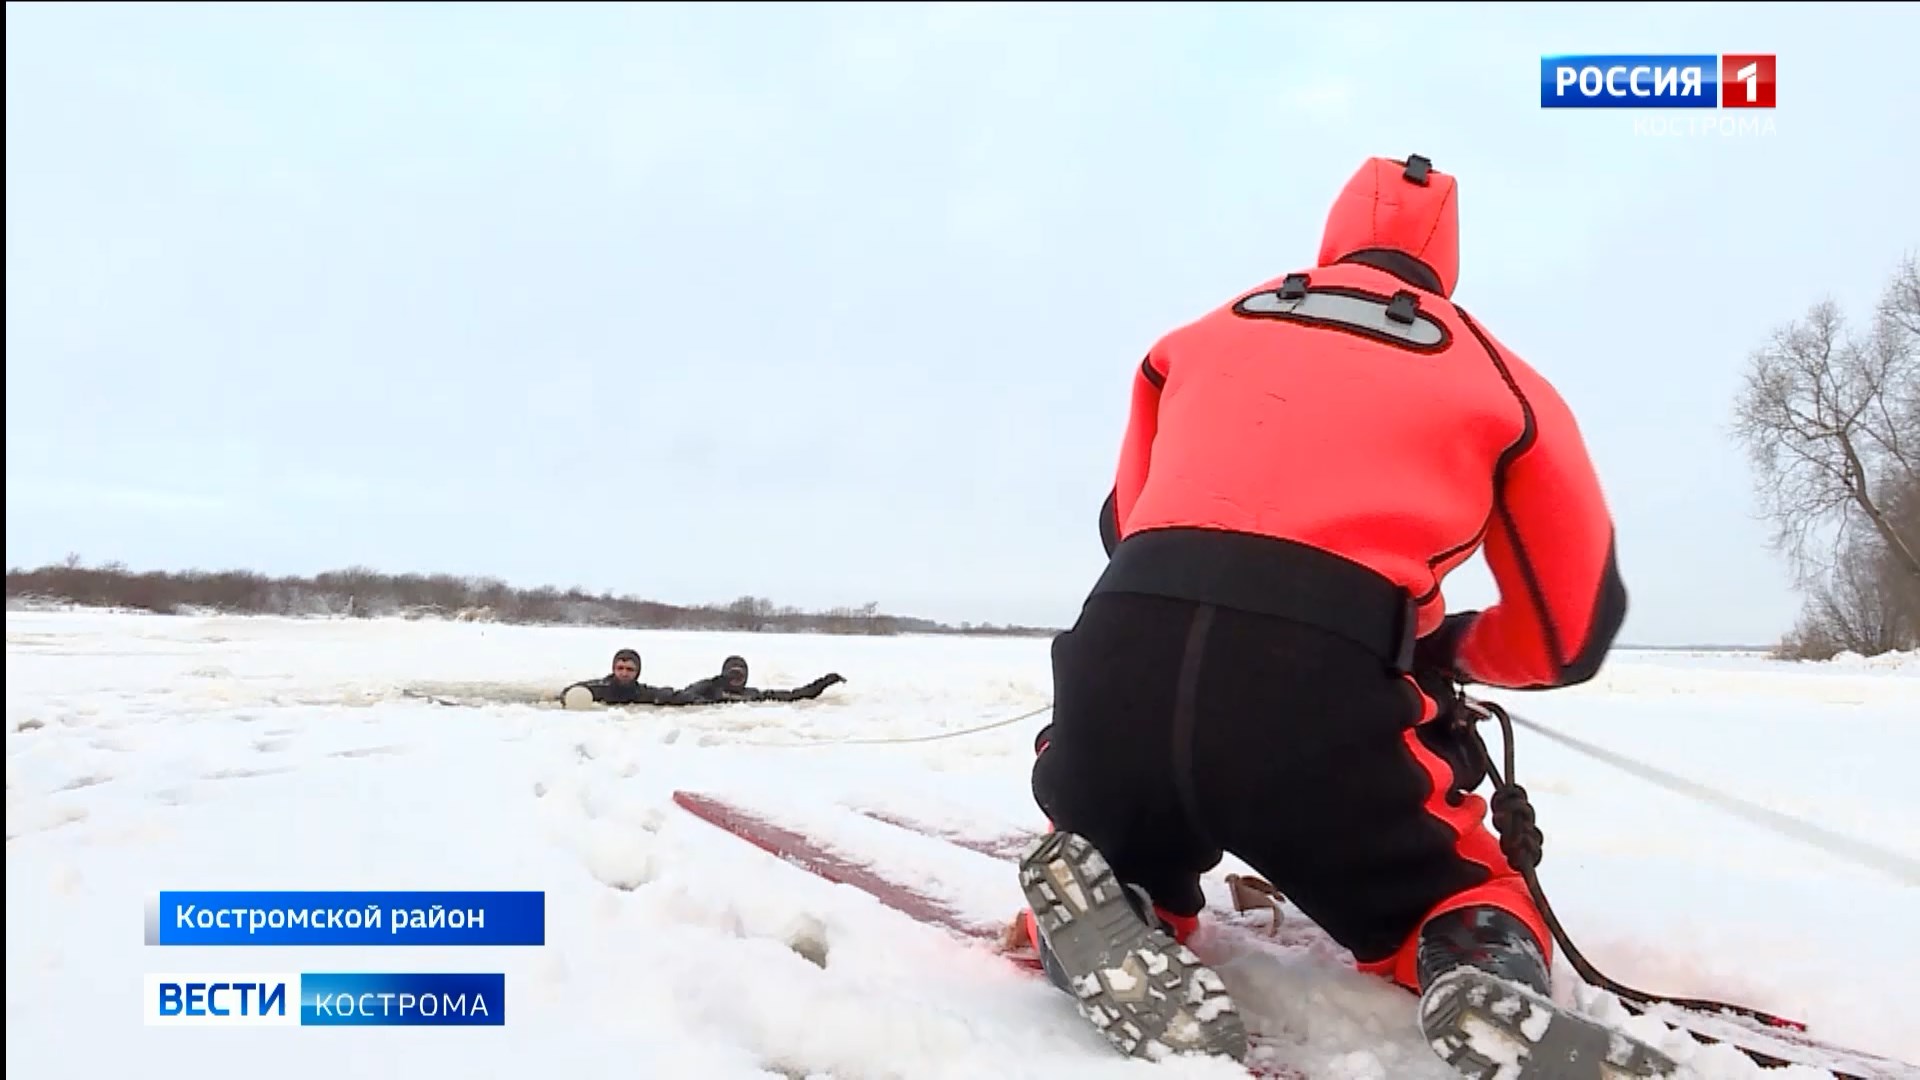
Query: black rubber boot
[1486,939]
[1147,993]
[1486,1009]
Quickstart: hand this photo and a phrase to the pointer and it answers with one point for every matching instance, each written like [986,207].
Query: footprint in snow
[809,940]
[369,751]
[242,774]
[62,816]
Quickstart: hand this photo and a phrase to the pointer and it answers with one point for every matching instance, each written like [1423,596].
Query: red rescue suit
[1352,413]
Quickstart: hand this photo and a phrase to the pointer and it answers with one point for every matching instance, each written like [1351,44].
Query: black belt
[1268,576]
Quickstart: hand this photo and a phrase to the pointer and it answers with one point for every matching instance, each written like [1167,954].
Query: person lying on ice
[731,685]
[1302,467]
[622,686]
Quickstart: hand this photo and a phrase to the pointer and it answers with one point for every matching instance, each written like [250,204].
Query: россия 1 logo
[1655,81]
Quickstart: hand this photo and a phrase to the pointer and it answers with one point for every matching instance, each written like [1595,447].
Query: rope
[901,740]
[1857,851]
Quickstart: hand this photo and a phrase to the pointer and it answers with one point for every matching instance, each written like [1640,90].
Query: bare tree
[1897,587]
[1831,423]
[1853,609]
[750,613]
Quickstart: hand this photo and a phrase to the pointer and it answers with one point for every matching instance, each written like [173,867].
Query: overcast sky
[843,304]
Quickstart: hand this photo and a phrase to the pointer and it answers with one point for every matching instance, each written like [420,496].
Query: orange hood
[1404,207]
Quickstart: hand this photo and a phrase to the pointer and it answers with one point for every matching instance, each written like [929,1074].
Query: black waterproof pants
[1182,731]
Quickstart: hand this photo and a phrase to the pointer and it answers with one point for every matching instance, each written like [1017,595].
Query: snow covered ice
[148,753]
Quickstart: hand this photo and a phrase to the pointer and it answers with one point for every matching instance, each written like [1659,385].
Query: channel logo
[223,1000]
[327,999]
[1658,81]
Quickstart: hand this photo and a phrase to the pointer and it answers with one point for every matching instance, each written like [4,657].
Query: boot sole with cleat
[1487,1027]
[1147,993]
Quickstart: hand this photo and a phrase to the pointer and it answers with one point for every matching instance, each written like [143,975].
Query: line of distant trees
[1830,419]
[359,592]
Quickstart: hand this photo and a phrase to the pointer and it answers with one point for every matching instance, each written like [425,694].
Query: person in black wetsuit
[731,685]
[622,686]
